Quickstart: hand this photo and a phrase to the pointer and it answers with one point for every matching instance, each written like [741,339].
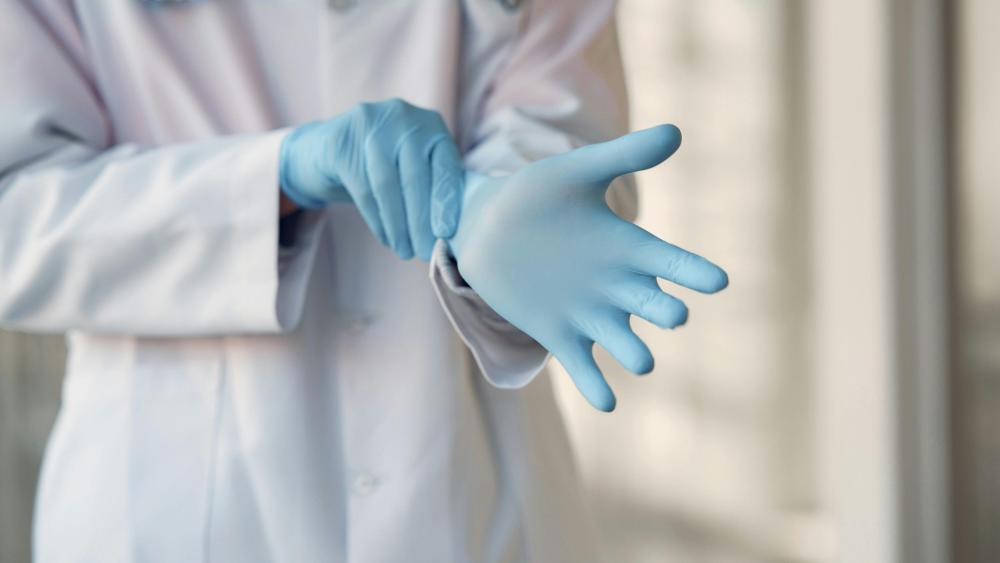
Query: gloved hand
[545,251]
[396,162]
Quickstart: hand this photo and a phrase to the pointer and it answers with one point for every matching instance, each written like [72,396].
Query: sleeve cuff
[275,278]
[507,357]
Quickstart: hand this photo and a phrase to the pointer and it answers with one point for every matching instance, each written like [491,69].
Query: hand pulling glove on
[545,251]
[396,162]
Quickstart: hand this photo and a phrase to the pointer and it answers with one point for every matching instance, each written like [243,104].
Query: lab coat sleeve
[559,85]
[95,235]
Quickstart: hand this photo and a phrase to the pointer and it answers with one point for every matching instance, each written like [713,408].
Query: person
[218,202]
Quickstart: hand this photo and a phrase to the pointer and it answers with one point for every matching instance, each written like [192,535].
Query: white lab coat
[227,401]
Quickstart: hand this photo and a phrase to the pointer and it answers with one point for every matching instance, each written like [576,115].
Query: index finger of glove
[385,184]
[415,174]
[446,187]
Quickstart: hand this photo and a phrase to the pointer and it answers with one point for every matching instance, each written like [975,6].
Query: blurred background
[841,401]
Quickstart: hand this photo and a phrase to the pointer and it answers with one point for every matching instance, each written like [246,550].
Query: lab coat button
[364,484]
[342,5]
[357,324]
[511,5]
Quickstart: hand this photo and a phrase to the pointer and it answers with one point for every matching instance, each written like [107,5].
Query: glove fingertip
[723,281]
[404,252]
[423,247]
[715,280]
[443,228]
[605,402]
[446,198]
[444,217]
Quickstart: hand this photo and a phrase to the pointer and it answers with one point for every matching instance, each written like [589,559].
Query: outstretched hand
[545,251]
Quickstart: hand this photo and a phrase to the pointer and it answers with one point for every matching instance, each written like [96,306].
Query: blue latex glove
[547,253]
[396,162]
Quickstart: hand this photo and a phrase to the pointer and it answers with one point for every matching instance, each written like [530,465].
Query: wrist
[299,174]
[286,206]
